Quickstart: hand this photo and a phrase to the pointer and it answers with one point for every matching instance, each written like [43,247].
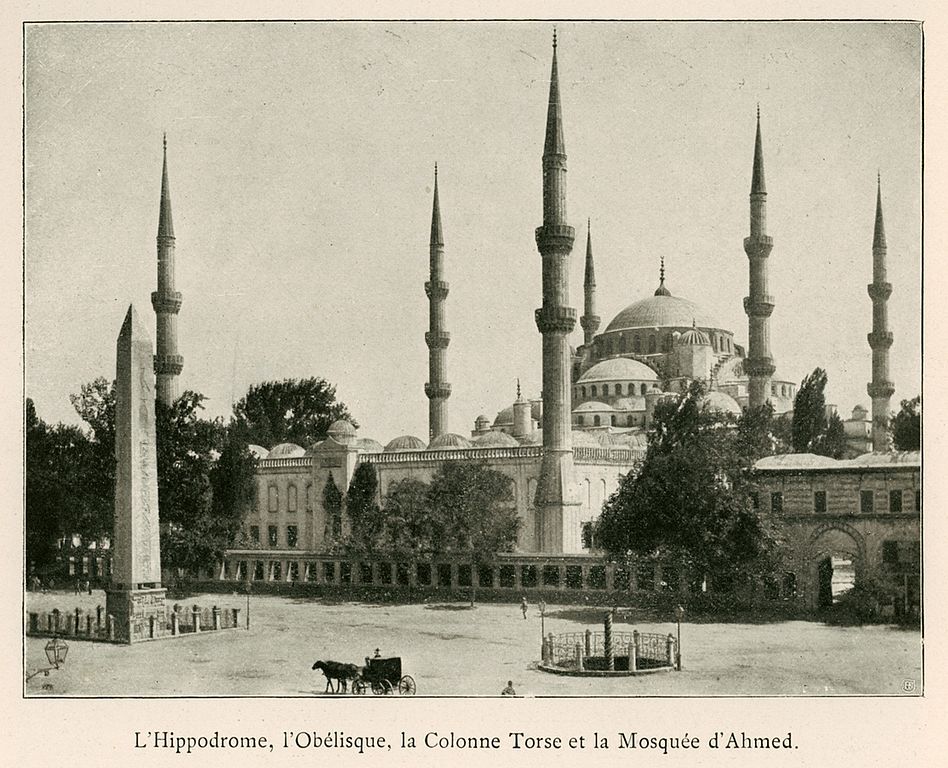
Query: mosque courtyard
[453,650]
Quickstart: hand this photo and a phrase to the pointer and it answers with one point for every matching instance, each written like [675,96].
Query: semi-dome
[661,312]
[629,404]
[406,443]
[257,451]
[342,431]
[592,406]
[285,451]
[719,401]
[694,338]
[448,441]
[495,439]
[616,369]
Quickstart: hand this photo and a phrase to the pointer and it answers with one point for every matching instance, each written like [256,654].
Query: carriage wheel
[387,688]
[406,686]
[358,687]
[377,688]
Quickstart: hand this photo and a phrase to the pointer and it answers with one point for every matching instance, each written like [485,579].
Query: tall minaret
[166,300]
[437,389]
[759,363]
[880,388]
[558,524]
[590,320]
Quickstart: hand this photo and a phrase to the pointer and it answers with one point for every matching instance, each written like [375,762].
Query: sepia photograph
[472,359]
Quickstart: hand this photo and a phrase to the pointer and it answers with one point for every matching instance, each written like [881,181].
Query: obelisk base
[137,614]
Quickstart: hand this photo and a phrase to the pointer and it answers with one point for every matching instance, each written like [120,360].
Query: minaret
[558,523]
[759,363]
[880,388]
[437,389]
[166,300]
[590,320]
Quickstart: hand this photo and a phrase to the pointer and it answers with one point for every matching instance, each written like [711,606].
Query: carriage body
[383,676]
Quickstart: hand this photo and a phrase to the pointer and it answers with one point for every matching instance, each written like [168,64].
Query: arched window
[636,345]
[583,390]
[291,498]
[596,420]
[630,421]
[273,502]
[593,390]
[613,421]
[643,389]
[579,420]
[309,497]
[651,344]
[605,390]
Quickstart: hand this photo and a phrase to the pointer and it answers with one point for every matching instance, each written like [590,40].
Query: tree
[812,430]
[332,503]
[232,488]
[690,499]
[407,519]
[906,425]
[289,411]
[365,514]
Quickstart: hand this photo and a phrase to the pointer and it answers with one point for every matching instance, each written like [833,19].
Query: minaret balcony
[759,366]
[168,302]
[437,339]
[169,365]
[555,237]
[758,246]
[555,319]
[438,391]
[590,322]
[880,389]
[880,339]
[437,290]
[879,290]
[759,307]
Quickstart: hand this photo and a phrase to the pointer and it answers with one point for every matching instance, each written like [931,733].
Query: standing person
[523,607]
[509,690]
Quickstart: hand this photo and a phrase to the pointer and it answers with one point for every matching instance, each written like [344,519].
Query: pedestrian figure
[78,587]
[509,690]
[88,586]
[378,654]
[523,607]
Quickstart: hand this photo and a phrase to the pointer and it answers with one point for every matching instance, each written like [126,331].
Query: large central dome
[661,311]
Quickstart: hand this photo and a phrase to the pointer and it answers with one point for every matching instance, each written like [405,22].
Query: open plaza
[452,650]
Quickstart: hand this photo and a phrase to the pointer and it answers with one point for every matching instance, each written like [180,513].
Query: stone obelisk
[135,599]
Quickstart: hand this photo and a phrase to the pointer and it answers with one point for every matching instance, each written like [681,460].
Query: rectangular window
[385,573]
[485,576]
[273,496]
[277,571]
[551,575]
[597,577]
[819,502]
[574,577]
[272,535]
[258,570]
[401,574]
[294,574]
[292,535]
[345,572]
[895,501]
[464,575]
[291,499]
[528,575]
[507,576]
[309,497]
[444,574]
[329,572]
[776,502]
[587,534]
[423,573]
[621,579]
[866,502]
[255,534]
[365,573]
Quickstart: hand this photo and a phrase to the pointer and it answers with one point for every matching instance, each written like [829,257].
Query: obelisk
[135,599]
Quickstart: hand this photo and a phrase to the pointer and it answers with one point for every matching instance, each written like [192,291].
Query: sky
[301,166]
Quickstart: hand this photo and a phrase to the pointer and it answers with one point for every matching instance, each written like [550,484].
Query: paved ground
[453,650]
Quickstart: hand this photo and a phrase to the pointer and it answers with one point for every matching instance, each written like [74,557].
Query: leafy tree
[689,500]
[332,503]
[812,430]
[362,507]
[293,410]
[188,447]
[906,425]
[407,519]
[232,488]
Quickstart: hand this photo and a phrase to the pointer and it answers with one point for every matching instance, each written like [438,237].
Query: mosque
[566,450]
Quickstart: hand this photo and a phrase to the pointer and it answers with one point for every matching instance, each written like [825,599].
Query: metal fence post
[588,642]
[607,642]
[216,613]
[579,657]
[670,650]
[196,618]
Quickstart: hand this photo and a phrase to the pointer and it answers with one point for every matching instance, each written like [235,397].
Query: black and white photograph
[476,359]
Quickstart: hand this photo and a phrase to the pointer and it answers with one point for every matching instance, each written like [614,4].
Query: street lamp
[679,612]
[542,623]
[56,650]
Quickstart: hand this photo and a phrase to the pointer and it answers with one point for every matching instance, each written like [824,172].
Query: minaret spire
[662,290]
[557,529]
[437,338]
[590,320]
[166,301]
[759,304]
[881,388]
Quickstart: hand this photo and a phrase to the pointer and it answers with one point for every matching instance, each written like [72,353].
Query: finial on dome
[758,111]
[518,387]
[554,38]
[662,290]
[693,323]
[436,170]
[164,139]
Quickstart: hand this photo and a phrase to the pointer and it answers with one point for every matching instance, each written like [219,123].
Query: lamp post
[56,650]
[542,622]
[249,583]
[679,612]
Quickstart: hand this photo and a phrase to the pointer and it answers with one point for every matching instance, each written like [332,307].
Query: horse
[338,671]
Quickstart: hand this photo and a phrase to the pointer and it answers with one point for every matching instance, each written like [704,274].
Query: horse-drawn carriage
[383,676]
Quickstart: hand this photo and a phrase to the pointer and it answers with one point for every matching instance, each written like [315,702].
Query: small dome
[482,419]
[342,431]
[859,413]
[694,338]
[504,417]
[593,406]
[495,439]
[258,451]
[719,401]
[449,441]
[312,449]
[618,368]
[286,451]
[368,445]
[406,443]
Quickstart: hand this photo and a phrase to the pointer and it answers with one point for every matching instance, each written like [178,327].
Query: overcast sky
[301,155]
